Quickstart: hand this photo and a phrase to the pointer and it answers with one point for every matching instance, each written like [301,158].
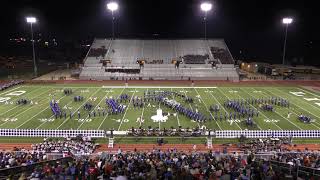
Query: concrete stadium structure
[189,59]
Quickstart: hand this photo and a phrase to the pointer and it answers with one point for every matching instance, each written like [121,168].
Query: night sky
[251,26]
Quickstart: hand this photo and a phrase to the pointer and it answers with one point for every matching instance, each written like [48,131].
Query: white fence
[50,133]
[102,133]
[269,133]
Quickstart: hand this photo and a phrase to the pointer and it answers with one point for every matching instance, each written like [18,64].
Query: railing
[295,171]
[216,134]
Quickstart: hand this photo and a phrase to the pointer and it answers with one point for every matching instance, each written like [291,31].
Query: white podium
[111,142]
[209,142]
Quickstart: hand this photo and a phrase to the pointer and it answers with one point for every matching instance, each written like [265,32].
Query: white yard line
[294,109]
[7,91]
[206,106]
[50,117]
[108,113]
[103,121]
[223,106]
[282,116]
[16,115]
[262,112]
[126,110]
[36,114]
[308,92]
[178,113]
[298,105]
[77,109]
[19,106]
[94,108]
[141,117]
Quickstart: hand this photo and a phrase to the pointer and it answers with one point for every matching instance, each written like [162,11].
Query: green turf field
[38,115]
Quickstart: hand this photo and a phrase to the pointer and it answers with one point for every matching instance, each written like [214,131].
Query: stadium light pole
[205,7]
[112,6]
[285,21]
[32,20]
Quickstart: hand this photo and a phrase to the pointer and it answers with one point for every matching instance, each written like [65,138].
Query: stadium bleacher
[268,160]
[155,59]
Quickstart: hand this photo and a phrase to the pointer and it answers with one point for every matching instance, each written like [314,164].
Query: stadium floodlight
[286,21]
[32,20]
[112,6]
[205,7]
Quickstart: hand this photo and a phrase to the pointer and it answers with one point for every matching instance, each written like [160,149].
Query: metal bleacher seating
[158,56]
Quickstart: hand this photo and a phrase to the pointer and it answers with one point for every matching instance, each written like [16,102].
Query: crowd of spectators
[195,59]
[79,146]
[152,165]
[159,61]
[98,52]
[159,164]
[7,85]
[303,158]
[20,157]
[222,54]
[263,145]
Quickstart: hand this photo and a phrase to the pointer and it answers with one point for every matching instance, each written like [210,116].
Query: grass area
[146,140]
[38,115]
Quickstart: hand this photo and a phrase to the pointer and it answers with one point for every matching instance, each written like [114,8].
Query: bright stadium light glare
[31,19]
[206,6]
[112,6]
[287,20]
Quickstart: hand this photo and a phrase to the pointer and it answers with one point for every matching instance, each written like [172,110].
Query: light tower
[32,20]
[205,7]
[112,6]
[286,21]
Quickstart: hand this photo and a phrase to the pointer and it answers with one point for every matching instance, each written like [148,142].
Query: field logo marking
[16,93]
[298,93]
[134,91]
[58,90]
[312,99]
[271,120]
[232,91]
[119,120]
[84,120]
[84,91]
[208,91]
[234,120]
[46,119]
[9,119]
[184,91]
[4,99]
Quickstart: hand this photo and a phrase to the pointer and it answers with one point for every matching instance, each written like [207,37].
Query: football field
[37,114]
